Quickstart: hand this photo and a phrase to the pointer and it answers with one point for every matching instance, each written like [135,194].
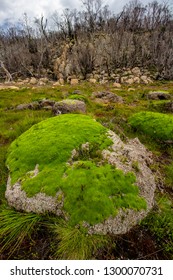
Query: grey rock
[168,106]
[32,106]
[46,102]
[107,96]
[69,106]
[77,91]
[158,95]
[22,107]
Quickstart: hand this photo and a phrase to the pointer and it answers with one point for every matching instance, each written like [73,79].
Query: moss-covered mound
[57,166]
[157,125]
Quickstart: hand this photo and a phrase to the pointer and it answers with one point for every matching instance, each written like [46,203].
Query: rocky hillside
[92,44]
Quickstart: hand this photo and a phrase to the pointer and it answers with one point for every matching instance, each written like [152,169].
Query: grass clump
[156,125]
[169,175]
[160,224]
[74,243]
[15,227]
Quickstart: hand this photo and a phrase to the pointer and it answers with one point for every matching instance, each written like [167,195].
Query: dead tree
[7,73]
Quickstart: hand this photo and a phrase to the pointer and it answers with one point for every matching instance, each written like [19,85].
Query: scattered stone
[136,71]
[74,82]
[69,106]
[33,81]
[106,97]
[144,80]
[158,95]
[96,77]
[44,80]
[92,81]
[117,85]
[61,81]
[129,81]
[136,80]
[3,86]
[131,89]
[40,83]
[56,84]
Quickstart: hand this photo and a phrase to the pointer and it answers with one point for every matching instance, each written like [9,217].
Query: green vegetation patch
[157,125]
[160,224]
[92,192]
[49,144]
[78,97]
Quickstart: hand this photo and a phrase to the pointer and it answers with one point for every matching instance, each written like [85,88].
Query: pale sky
[13,10]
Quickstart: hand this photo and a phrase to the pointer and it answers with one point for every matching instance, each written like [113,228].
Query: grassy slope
[115,117]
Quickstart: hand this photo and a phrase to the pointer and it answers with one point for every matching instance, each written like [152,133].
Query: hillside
[92,43]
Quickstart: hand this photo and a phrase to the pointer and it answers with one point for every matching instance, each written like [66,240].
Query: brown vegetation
[90,41]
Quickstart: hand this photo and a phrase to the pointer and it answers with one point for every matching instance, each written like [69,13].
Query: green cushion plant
[92,192]
[156,125]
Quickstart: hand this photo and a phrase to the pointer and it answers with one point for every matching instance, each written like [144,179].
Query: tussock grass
[74,243]
[15,227]
[160,224]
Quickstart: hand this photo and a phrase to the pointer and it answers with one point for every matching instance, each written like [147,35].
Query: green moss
[92,192]
[156,125]
[78,97]
[50,144]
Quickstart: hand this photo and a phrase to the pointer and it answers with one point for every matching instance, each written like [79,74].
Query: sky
[13,10]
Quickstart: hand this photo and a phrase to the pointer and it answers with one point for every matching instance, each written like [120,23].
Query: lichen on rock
[72,166]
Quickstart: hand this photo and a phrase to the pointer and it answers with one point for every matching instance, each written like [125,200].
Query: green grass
[78,97]
[15,227]
[160,224]
[74,243]
[169,175]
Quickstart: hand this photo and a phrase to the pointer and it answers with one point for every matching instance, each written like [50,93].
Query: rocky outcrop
[69,106]
[62,107]
[31,106]
[158,95]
